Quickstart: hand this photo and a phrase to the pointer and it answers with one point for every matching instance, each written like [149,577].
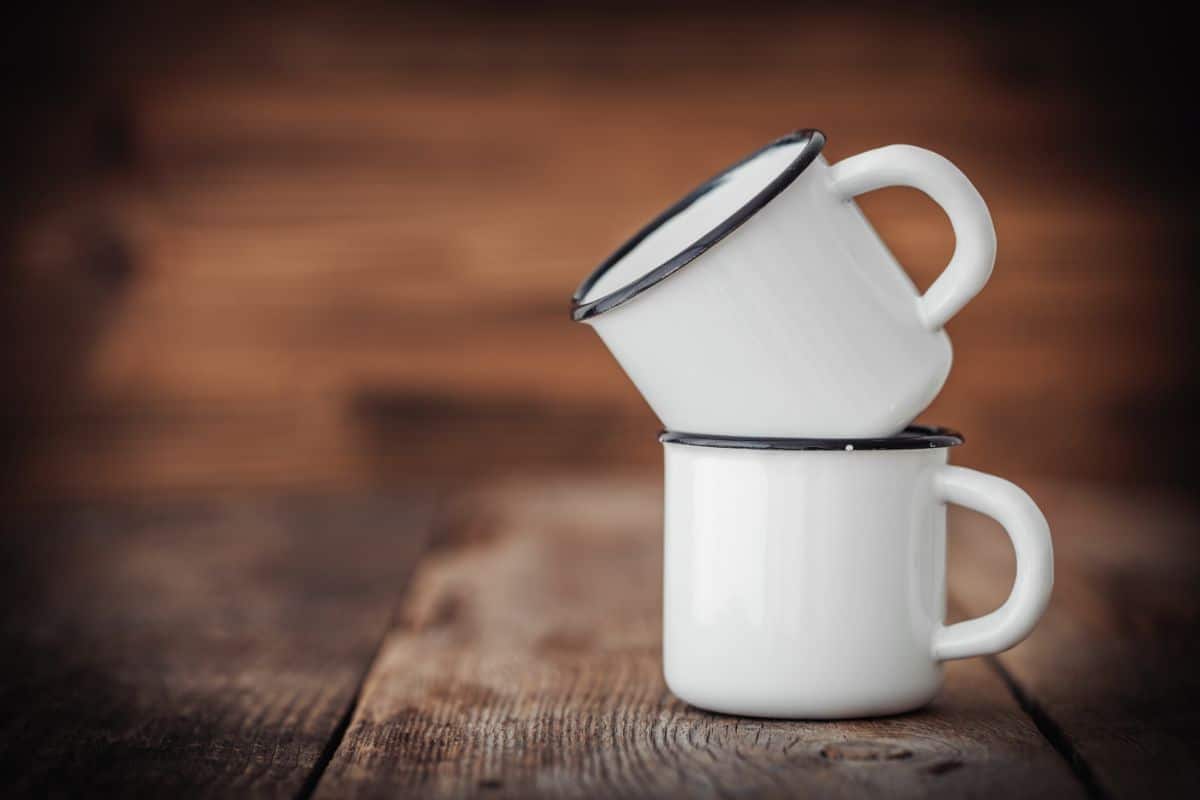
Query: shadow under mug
[807,578]
[765,304]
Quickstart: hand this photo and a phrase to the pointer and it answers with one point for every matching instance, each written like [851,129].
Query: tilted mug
[765,304]
[807,578]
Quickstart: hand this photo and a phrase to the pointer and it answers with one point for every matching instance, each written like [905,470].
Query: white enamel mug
[807,579]
[764,303]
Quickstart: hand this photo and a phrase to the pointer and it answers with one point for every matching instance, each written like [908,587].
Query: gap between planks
[442,519]
[309,788]
[1054,733]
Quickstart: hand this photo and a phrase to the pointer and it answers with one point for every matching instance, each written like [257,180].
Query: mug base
[807,709]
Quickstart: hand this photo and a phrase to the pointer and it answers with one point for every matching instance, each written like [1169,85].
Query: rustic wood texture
[204,648]
[329,245]
[526,663]
[1111,669]
[261,648]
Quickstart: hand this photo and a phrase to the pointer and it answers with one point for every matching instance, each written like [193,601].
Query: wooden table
[505,642]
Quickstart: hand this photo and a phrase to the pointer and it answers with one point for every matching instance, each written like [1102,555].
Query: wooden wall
[314,248]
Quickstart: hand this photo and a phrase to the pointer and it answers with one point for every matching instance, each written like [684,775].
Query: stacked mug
[786,353]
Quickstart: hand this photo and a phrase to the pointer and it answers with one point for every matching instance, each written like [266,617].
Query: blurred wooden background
[309,246]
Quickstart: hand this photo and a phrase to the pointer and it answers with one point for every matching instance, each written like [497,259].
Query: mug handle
[974,234]
[1024,523]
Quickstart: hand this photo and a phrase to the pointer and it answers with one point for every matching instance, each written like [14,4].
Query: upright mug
[764,303]
[807,578]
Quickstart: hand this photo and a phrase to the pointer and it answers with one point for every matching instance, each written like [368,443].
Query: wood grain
[1111,668]
[526,663]
[192,649]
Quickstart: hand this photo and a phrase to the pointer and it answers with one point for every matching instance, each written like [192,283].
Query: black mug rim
[814,142]
[914,437]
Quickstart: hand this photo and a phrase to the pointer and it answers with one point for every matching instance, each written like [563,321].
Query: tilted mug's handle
[975,236]
[1024,523]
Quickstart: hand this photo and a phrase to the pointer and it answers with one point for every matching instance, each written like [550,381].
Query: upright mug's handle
[1026,526]
[975,236]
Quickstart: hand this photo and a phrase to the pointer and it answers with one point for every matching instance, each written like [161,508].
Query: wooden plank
[526,663]
[1111,670]
[196,648]
[299,209]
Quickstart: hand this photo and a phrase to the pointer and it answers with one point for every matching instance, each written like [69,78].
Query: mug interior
[697,222]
